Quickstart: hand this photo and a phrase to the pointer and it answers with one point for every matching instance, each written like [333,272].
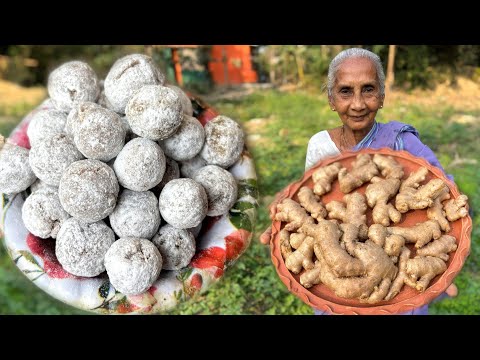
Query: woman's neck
[346,139]
[352,137]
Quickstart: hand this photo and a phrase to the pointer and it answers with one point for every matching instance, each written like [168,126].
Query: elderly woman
[356,91]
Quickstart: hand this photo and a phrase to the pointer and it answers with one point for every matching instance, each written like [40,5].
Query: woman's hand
[265,237]
[267,234]
[452,290]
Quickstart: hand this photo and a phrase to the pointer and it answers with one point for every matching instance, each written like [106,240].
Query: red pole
[225,65]
[177,67]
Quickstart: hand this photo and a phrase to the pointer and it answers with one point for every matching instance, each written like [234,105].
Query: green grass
[7,123]
[252,286]
[16,110]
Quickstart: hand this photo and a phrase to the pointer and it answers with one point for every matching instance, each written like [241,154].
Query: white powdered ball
[183,203]
[224,141]
[81,247]
[172,171]
[177,247]
[196,230]
[44,124]
[103,101]
[136,214]
[127,75]
[187,141]
[46,104]
[221,188]
[184,99]
[16,174]
[74,81]
[51,157]
[99,133]
[88,190]
[128,130]
[39,184]
[42,213]
[188,167]
[133,265]
[72,119]
[140,165]
[154,112]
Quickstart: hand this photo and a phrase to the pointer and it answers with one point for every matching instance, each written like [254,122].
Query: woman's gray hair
[355,53]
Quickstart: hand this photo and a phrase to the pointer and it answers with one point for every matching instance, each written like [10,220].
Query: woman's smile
[357,117]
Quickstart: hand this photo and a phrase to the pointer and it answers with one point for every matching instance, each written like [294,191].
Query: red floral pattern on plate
[212,259]
[236,243]
[20,137]
[45,249]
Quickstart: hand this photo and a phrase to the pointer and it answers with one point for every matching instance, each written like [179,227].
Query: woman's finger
[265,237]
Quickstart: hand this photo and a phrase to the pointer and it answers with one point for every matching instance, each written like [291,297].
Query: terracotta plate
[321,297]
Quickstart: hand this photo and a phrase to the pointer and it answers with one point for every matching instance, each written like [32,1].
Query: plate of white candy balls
[126,195]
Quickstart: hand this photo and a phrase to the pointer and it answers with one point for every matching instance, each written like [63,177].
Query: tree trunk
[300,63]
[148,50]
[390,68]
[271,55]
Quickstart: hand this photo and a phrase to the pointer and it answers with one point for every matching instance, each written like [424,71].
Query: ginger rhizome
[456,208]
[302,257]
[423,266]
[420,234]
[421,270]
[393,246]
[414,179]
[311,277]
[352,212]
[362,171]
[370,269]
[327,237]
[388,166]
[401,276]
[411,198]
[293,214]
[379,272]
[439,248]
[436,212]
[323,178]
[296,239]
[349,237]
[331,243]
[311,203]
[391,243]
[285,247]
[378,193]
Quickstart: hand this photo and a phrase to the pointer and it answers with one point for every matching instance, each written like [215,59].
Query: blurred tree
[390,68]
[100,57]
[414,66]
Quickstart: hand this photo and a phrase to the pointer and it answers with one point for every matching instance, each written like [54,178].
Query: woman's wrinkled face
[356,93]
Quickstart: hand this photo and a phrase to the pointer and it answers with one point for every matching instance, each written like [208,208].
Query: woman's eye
[368,89]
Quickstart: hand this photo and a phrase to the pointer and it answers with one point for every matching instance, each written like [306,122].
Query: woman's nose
[358,103]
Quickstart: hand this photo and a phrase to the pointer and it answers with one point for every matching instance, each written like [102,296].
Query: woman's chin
[359,124]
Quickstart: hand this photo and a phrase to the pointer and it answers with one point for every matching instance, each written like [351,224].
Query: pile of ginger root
[332,244]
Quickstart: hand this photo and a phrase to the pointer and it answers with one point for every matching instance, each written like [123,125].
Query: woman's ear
[382,99]
[330,102]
